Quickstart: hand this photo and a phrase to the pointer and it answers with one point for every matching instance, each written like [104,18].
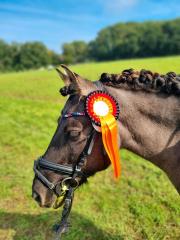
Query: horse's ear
[64,76]
[78,84]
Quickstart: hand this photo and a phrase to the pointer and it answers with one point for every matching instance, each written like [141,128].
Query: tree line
[30,55]
[120,41]
[127,40]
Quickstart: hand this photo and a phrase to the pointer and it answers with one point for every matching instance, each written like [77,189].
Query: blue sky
[57,21]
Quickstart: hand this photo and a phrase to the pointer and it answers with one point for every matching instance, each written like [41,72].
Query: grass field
[142,205]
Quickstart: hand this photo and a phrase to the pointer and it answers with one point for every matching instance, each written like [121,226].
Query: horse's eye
[74,134]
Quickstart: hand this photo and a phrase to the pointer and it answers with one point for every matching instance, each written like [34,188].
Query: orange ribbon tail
[110,140]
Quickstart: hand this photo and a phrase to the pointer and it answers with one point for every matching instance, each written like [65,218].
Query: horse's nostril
[36,197]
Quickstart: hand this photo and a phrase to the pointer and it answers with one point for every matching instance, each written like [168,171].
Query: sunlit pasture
[143,204]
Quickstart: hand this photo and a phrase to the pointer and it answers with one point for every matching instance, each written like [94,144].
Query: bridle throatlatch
[103,110]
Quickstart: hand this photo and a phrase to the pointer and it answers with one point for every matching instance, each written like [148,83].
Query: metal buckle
[78,169]
[69,182]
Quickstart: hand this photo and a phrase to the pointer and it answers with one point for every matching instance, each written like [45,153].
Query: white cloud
[118,5]
[48,13]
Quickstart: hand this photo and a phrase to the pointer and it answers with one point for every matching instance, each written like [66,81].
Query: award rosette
[103,110]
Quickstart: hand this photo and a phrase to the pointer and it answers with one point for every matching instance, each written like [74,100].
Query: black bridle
[70,173]
[65,170]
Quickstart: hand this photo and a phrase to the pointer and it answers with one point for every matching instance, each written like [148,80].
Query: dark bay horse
[149,124]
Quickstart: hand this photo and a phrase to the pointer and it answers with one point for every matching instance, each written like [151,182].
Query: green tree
[171,30]
[55,58]
[75,52]
[5,56]
[128,40]
[33,55]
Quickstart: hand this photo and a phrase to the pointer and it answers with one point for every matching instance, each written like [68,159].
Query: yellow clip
[59,199]
[64,188]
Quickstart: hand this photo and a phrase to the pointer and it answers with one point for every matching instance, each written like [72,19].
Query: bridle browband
[70,173]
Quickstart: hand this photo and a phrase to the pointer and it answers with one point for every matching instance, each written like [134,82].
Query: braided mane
[144,79]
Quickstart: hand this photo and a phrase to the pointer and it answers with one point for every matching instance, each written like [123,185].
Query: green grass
[143,204]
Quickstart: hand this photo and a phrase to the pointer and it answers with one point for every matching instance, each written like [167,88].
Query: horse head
[72,140]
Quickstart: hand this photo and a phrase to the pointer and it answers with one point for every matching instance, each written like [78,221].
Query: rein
[72,176]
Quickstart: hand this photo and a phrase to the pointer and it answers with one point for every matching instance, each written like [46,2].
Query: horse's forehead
[74,103]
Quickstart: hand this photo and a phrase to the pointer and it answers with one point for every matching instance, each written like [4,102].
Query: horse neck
[148,124]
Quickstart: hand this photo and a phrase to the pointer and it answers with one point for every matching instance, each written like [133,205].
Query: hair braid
[144,79]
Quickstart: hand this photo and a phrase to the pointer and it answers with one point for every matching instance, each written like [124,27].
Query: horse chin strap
[69,184]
